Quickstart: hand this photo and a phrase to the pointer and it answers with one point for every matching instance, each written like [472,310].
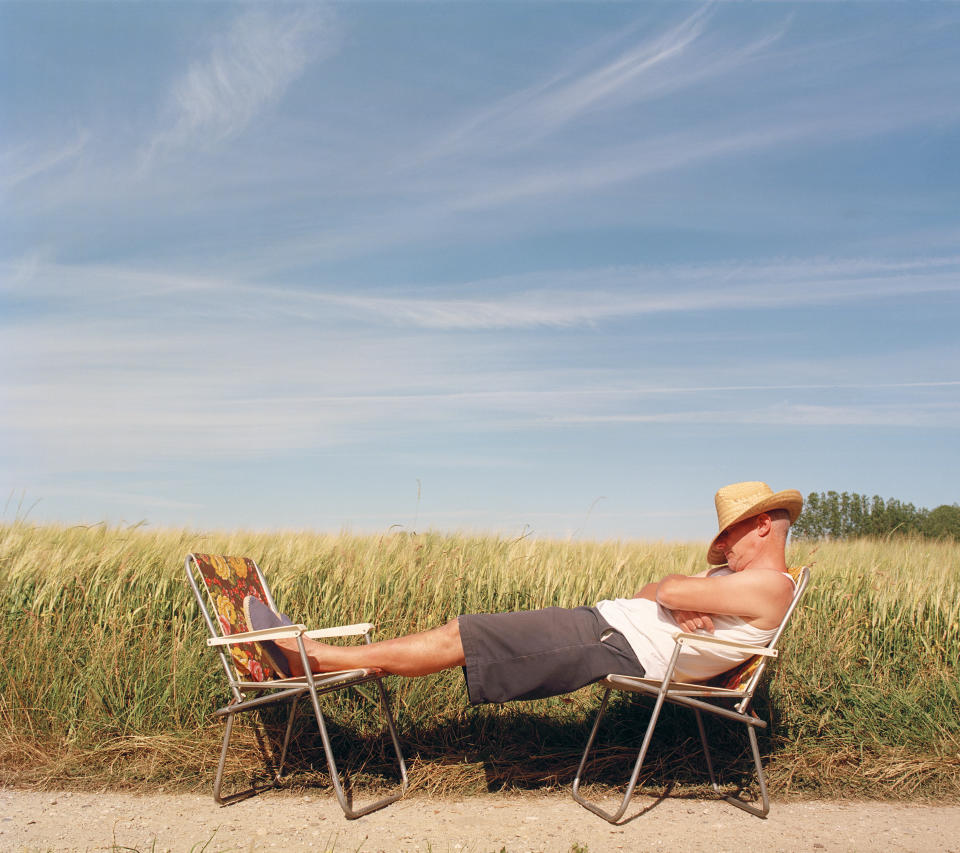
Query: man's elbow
[649,591]
[668,591]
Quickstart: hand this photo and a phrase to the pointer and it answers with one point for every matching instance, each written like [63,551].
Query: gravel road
[553,823]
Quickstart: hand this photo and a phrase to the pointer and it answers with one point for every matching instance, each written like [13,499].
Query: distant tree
[838,515]
[943,522]
[810,523]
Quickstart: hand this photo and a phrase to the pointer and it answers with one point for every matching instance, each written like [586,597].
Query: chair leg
[349,812]
[586,751]
[706,751]
[615,816]
[228,729]
[391,727]
[221,765]
[286,739]
[764,808]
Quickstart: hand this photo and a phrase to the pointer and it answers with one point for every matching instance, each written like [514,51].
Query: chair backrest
[745,676]
[226,582]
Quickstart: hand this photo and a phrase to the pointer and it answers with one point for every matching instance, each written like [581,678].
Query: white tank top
[649,628]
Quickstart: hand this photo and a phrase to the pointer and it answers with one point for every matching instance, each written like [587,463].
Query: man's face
[739,542]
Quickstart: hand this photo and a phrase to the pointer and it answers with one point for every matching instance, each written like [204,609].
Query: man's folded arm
[687,619]
[743,594]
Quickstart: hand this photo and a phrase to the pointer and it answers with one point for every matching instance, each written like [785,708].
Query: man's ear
[764,524]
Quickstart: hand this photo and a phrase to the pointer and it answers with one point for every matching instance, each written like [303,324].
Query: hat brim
[791,500]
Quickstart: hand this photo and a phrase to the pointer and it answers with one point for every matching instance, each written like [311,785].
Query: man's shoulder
[776,588]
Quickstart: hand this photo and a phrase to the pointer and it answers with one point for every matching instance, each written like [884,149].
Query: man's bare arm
[688,620]
[648,592]
[760,597]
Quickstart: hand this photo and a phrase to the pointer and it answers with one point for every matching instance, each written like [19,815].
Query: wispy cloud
[22,163]
[249,66]
[664,63]
[119,497]
[555,299]
[940,415]
[427,255]
[488,189]
[258,367]
[587,297]
[544,107]
[655,155]
[477,176]
[222,401]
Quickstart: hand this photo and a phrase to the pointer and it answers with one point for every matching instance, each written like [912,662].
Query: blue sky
[555,268]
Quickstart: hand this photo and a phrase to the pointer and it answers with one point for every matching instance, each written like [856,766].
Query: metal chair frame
[291,690]
[700,698]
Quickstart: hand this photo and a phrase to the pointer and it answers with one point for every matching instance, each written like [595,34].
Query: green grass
[105,678]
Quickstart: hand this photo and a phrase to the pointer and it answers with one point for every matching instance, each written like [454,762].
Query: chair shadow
[521,747]
[360,758]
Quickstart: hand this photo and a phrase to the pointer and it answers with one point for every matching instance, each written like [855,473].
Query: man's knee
[452,630]
[451,633]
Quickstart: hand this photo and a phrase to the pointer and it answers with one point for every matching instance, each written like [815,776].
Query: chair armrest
[707,640]
[341,631]
[288,631]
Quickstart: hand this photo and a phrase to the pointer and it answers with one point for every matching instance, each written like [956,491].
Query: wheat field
[106,680]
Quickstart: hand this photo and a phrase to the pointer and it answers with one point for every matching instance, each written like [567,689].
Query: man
[538,653]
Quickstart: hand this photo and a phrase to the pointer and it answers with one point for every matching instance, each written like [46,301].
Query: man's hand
[691,620]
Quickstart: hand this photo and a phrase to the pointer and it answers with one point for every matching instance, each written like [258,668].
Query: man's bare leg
[414,654]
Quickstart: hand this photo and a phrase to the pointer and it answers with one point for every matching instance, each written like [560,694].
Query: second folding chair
[734,688]
[223,583]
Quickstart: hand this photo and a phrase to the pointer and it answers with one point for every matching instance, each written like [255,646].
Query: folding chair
[736,685]
[225,582]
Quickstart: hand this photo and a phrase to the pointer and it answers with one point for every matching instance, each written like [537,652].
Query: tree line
[840,515]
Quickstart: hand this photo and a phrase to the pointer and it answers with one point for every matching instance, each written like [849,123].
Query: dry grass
[106,680]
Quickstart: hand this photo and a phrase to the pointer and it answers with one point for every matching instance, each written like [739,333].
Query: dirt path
[533,822]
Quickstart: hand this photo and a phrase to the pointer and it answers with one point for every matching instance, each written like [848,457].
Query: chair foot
[613,817]
[758,811]
[353,814]
[610,817]
[349,812]
[761,810]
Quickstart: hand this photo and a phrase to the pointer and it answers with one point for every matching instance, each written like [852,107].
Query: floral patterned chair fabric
[229,580]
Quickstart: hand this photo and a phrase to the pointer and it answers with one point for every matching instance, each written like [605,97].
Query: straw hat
[745,500]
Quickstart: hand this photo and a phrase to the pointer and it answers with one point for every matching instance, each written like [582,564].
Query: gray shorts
[531,654]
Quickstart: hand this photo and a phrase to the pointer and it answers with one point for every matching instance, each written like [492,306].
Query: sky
[558,269]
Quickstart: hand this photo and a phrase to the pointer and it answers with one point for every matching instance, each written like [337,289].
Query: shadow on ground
[524,747]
